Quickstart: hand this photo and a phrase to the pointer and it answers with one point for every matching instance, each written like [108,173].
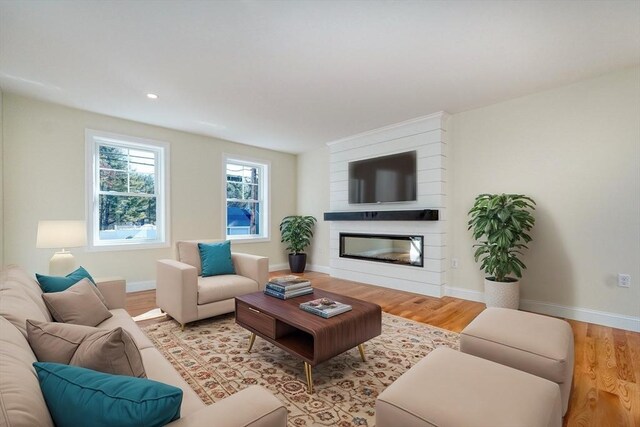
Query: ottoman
[533,343]
[452,389]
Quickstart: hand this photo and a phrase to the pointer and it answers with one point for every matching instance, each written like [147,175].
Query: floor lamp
[61,235]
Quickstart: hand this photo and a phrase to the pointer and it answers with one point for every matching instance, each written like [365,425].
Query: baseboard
[614,320]
[319,268]
[146,285]
[466,294]
[278,267]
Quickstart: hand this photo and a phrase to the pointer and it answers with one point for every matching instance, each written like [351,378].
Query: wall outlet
[624,280]
[454,262]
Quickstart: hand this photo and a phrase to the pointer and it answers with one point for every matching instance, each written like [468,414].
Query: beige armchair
[185,295]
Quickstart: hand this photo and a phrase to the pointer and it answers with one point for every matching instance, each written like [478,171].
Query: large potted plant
[296,231]
[500,224]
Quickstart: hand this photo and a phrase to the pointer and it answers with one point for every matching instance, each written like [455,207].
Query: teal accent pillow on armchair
[216,258]
[77,396]
[62,283]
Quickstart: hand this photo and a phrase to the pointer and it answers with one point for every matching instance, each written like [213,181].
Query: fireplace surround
[392,249]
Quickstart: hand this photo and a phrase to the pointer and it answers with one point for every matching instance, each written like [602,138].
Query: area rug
[211,356]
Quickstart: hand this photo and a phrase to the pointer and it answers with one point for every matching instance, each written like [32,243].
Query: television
[383,179]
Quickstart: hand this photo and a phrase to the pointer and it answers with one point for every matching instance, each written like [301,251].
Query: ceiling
[293,75]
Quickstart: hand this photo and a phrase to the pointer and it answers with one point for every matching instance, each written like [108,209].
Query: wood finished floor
[606,378]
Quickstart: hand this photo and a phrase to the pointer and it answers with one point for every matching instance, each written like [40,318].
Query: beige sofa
[22,403]
[185,295]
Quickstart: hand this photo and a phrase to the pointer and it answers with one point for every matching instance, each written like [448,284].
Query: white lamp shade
[61,234]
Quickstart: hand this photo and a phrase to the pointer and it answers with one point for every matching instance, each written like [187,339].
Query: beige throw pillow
[111,352]
[78,305]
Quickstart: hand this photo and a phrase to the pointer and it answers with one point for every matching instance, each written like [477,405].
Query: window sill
[243,239]
[127,246]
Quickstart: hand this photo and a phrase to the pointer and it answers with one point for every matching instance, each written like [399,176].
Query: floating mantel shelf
[412,215]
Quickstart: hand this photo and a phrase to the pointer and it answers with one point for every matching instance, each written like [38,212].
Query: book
[282,295]
[287,291]
[324,307]
[289,282]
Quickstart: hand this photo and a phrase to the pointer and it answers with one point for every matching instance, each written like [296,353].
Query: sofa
[185,295]
[22,403]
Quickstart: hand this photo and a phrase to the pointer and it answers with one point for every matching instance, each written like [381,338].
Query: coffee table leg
[309,375]
[252,338]
[361,348]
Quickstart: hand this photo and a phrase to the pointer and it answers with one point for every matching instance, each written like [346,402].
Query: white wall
[313,199]
[576,151]
[45,179]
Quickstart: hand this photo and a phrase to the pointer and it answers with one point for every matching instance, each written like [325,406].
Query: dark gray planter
[297,262]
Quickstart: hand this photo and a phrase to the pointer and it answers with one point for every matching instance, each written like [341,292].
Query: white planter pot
[502,294]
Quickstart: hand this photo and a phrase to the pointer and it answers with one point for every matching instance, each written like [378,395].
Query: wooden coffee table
[311,338]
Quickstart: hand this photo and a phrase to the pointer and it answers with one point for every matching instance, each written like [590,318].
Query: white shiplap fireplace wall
[428,136]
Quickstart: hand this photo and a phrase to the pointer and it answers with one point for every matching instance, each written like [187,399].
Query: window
[127,203]
[246,188]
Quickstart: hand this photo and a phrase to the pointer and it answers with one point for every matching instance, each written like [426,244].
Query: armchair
[185,295]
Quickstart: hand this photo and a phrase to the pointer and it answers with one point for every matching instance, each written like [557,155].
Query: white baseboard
[278,267]
[319,268]
[146,285]
[613,320]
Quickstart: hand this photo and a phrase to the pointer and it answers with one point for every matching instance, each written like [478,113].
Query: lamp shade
[61,234]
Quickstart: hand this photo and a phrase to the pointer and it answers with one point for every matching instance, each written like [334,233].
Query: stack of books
[325,307]
[286,287]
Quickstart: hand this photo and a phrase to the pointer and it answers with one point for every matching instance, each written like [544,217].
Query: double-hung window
[127,192]
[246,184]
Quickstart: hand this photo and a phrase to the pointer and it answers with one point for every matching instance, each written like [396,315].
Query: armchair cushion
[220,288]
[216,258]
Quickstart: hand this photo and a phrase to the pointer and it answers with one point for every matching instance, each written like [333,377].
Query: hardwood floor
[606,378]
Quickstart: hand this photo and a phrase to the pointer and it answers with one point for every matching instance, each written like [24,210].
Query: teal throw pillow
[77,397]
[62,283]
[216,258]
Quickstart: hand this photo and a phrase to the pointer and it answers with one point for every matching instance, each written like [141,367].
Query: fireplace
[392,249]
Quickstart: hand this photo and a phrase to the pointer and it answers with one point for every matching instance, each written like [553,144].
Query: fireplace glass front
[404,250]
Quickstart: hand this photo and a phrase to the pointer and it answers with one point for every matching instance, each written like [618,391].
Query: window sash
[260,201]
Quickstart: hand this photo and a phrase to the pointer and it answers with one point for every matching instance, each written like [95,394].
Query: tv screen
[383,179]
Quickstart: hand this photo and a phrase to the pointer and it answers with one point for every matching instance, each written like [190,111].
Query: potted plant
[500,224]
[296,231]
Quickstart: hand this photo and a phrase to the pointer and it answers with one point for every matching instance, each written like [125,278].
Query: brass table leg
[252,339]
[361,348]
[309,375]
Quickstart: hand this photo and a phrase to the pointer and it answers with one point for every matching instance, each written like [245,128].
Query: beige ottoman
[533,343]
[449,388]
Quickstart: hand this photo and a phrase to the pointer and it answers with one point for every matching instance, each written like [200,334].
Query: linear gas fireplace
[404,250]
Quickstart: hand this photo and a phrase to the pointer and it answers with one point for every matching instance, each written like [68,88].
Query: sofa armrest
[177,290]
[252,266]
[252,407]
[114,291]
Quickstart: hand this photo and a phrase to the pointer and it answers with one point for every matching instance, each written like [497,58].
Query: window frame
[95,138]
[263,190]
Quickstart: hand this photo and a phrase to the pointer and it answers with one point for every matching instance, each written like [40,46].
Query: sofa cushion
[109,351]
[79,305]
[189,253]
[61,283]
[21,402]
[216,258]
[219,288]
[120,318]
[21,299]
[73,393]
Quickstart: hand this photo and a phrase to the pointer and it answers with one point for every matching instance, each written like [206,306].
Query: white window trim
[163,220]
[266,164]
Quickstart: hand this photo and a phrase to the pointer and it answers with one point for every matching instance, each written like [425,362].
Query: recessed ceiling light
[152,96]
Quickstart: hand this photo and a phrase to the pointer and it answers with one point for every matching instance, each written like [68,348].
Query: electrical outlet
[454,262]
[624,280]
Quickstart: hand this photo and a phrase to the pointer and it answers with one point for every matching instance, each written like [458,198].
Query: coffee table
[304,335]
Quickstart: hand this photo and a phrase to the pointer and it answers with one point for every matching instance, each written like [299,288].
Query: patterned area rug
[211,356]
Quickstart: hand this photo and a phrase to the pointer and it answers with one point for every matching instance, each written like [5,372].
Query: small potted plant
[297,231]
[500,223]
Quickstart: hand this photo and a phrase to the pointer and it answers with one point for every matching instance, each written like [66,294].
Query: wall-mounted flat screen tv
[383,179]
